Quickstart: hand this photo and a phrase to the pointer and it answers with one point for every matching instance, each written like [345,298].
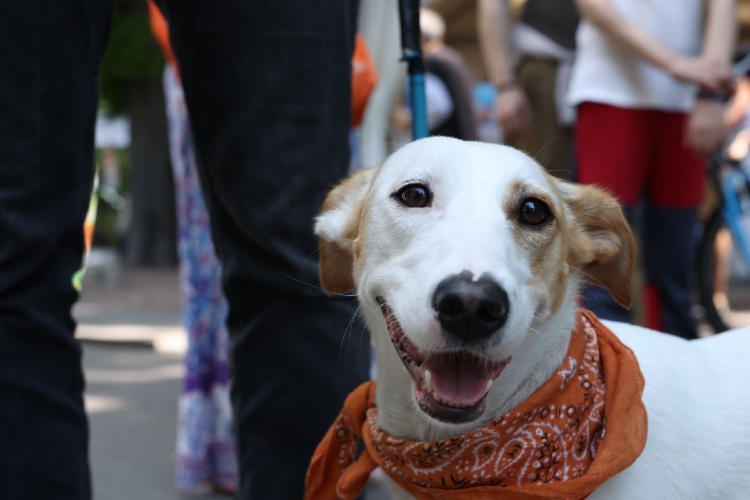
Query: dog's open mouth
[450,386]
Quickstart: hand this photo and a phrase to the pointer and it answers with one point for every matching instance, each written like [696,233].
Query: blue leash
[412,54]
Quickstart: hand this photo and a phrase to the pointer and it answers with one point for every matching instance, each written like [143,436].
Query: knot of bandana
[584,425]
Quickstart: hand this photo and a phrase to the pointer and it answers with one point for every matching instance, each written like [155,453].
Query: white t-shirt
[606,73]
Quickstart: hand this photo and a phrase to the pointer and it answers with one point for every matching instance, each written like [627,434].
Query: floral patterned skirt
[205,441]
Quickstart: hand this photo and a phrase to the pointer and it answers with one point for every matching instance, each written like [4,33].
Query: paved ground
[133,347]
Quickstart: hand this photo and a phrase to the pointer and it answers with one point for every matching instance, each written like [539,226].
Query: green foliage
[132,54]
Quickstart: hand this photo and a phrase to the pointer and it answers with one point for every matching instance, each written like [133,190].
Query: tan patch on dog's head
[544,245]
[599,239]
[338,228]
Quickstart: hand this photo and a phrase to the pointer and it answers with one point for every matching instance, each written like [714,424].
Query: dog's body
[471,251]
[698,418]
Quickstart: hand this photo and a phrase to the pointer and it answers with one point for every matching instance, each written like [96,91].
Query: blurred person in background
[205,440]
[448,83]
[530,66]
[268,89]
[648,81]
[737,119]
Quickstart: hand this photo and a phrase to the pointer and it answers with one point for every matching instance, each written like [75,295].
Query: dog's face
[462,255]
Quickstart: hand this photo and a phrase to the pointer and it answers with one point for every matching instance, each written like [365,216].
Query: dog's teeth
[489,384]
[428,380]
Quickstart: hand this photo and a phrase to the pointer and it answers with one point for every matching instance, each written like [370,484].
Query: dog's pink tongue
[456,380]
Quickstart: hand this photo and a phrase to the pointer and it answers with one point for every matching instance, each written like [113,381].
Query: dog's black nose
[471,310]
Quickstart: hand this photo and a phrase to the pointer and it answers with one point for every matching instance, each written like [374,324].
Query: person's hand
[706,130]
[740,146]
[709,74]
[514,113]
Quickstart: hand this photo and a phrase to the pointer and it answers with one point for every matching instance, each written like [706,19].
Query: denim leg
[668,258]
[598,300]
[268,90]
[50,58]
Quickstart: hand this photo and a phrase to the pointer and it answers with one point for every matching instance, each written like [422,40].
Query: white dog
[443,217]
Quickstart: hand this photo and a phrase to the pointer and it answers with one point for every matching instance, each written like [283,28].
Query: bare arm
[720,30]
[494,28]
[739,104]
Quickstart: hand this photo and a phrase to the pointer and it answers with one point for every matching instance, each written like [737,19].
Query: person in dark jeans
[268,90]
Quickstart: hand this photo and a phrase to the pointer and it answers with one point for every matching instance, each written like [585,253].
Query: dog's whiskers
[319,288]
[318,250]
[348,329]
[361,335]
[545,146]
[599,283]
[305,262]
[535,330]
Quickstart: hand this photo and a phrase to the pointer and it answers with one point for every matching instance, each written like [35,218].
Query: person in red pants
[648,82]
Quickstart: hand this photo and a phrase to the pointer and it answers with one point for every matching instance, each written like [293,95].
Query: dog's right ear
[338,228]
[601,244]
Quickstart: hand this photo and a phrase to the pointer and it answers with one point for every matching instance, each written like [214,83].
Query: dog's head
[466,258]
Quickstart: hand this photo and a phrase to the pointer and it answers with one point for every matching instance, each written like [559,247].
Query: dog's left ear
[338,228]
[601,244]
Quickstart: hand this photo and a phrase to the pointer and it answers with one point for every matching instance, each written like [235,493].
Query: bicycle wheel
[722,278]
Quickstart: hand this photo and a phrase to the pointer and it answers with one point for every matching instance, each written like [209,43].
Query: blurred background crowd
[497,71]
[136,186]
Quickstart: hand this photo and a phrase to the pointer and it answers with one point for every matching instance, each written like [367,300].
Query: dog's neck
[542,352]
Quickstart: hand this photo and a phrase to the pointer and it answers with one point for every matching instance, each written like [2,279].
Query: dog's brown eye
[414,195]
[534,212]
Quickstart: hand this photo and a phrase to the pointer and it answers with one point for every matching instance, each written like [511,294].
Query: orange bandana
[583,426]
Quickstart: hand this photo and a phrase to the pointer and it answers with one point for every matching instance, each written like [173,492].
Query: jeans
[268,90]
[667,247]
[48,98]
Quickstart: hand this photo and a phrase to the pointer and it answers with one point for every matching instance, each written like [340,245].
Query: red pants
[639,154]
[632,152]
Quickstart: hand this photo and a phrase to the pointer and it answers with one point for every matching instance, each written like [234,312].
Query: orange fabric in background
[160,30]
[364,79]
[583,426]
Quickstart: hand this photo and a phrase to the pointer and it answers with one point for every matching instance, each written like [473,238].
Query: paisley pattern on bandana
[585,424]
[544,444]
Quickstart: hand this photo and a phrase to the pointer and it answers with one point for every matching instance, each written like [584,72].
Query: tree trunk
[151,239]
